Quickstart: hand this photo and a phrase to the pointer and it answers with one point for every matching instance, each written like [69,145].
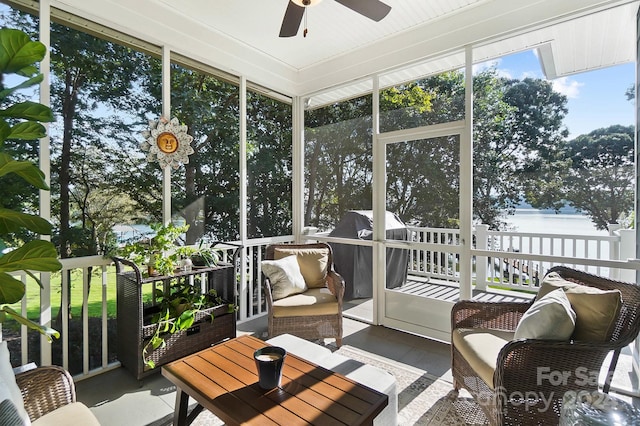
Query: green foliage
[177,311]
[517,128]
[21,121]
[160,252]
[630,93]
[601,174]
[203,255]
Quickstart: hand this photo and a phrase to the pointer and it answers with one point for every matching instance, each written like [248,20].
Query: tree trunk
[312,164]
[69,103]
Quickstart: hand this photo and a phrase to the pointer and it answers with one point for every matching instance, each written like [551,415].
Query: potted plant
[21,121]
[205,255]
[156,331]
[177,310]
[160,253]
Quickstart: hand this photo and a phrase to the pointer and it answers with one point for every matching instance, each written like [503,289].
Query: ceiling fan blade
[372,9]
[292,19]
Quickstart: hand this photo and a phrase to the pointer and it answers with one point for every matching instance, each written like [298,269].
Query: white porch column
[297,165]
[627,251]
[45,196]
[614,249]
[636,343]
[243,287]
[466,182]
[166,112]
[242,167]
[379,199]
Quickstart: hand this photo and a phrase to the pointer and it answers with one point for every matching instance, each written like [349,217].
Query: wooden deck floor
[443,290]
[362,309]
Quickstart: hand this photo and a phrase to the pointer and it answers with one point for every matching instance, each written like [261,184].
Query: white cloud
[478,68]
[505,73]
[529,74]
[569,88]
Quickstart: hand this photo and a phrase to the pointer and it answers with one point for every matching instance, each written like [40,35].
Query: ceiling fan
[372,9]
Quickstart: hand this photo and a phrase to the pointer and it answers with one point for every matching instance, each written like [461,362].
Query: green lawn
[95,296]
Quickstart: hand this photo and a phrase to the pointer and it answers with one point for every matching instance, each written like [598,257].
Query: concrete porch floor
[117,398]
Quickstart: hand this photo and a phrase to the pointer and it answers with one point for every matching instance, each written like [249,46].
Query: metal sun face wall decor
[167,142]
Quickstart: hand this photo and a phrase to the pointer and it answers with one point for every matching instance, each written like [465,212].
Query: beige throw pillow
[596,310]
[313,263]
[284,276]
[549,318]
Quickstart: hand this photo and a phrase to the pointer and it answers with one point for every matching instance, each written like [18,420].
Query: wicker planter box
[134,330]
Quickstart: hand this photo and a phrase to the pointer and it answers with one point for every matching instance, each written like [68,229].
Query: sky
[596,99]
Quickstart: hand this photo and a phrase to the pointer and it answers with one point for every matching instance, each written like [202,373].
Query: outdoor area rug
[422,398]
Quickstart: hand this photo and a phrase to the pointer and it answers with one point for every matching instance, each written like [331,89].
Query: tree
[423,182]
[205,192]
[630,94]
[338,161]
[517,131]
[89,75]
[601,176]
[269,164]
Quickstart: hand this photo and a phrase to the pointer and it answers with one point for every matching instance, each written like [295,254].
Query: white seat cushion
[73,414]
[480,347]
[300,347]
[315,301]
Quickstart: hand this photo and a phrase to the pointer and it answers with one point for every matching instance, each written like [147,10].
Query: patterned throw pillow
[9,415]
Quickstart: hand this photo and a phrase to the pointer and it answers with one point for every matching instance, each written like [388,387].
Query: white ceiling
[333,29]
[343,47]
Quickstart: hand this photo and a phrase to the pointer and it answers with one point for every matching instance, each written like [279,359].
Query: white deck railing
[82,272]
[506,259]
[517,260]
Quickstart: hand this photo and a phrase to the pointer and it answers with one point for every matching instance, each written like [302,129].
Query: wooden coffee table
[223,379]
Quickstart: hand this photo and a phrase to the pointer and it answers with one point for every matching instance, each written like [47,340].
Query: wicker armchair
[313,314]
[49,393]
[527,384]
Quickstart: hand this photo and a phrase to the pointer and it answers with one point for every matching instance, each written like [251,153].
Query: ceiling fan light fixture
[306,3]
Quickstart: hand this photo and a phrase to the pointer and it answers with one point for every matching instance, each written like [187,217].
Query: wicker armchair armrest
[490,315]
[45,389]
[549,366]
[336,285]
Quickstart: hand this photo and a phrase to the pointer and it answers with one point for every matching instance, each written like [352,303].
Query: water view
[548,222]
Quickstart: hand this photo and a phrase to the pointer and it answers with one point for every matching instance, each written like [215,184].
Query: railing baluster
[24,337]
[64,315]
[105,317]
[85,320]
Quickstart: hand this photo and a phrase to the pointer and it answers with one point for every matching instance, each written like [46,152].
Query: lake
[543,221]
[524,220]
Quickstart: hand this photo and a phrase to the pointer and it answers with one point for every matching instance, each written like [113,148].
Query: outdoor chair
[520,380]
[50,397]
[302,291]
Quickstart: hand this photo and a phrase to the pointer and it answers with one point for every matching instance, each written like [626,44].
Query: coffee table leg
[182,403]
